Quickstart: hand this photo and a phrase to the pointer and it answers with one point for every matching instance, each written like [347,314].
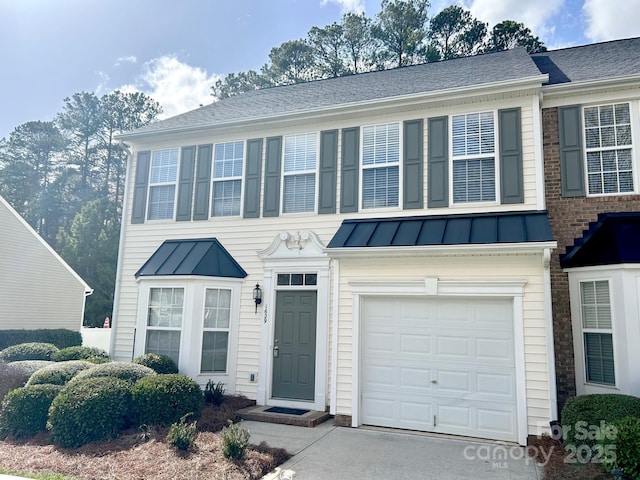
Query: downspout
[116,295]
[334,337]
[548,314]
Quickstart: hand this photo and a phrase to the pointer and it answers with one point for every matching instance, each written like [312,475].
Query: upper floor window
[381,165]
[473,157]
[607,132]
[227,179]
[162,184]
[595,306]
[300,161]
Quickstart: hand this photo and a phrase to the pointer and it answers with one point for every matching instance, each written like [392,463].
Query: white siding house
[37,287]
[395,224]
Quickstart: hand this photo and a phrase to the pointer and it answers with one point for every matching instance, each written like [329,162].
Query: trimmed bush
[11,377]
[25,410]
[159,363]
[621,448]
[60,337]
[583,416]
[88,410]
[164,399]
[59,373]
[29,367]
[130,372]
[28,351]
[79,352]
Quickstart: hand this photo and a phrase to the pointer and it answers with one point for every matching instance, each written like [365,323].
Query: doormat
[286,411]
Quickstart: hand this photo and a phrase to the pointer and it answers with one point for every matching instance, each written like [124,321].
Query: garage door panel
[442,365]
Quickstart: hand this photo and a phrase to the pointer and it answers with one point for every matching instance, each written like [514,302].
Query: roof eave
[442,250]
[585,86]
[535,81]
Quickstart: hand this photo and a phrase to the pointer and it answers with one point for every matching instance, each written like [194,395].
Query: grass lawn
[143,454]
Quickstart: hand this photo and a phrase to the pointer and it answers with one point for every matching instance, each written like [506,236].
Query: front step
[258,413]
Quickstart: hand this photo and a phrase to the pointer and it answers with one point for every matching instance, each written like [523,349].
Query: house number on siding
[265,314]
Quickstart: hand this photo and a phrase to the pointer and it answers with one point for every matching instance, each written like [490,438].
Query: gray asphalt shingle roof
[618,58]
[426,78]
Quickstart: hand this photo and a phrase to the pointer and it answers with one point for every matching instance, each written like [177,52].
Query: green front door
[294,346]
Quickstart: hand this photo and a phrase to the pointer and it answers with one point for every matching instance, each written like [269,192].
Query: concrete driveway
[328,452]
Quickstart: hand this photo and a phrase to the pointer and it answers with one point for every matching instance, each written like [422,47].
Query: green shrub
[28,351]
[58,373]
[131,372]
[583,416]
[60,337]
[182,435]
[621,447]
[29,367]
[89,410]
[214,392]
[25,410]
[11,377]
[234,440]
[79,352]
[159,363]
[164,399]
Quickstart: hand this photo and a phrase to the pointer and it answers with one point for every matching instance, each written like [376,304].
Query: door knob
[276,351]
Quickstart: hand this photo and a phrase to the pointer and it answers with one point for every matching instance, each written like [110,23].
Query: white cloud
[611,19]
[127,59]
[355,6]
[177,86]
[536,15]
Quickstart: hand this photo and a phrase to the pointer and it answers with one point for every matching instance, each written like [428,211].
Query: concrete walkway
[328,452]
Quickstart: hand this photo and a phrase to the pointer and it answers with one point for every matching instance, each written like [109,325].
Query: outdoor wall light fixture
[257,296]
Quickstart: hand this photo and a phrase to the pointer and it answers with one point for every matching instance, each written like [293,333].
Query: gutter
[439,95]
[582,87]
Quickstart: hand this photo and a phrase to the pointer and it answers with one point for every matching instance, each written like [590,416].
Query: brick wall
[569,218]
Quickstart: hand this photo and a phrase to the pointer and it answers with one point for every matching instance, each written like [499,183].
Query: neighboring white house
[37,287]
[394,223]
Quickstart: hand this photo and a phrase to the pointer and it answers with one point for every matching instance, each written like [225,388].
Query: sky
[175,50]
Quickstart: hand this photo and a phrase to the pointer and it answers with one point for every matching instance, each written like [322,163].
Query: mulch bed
[558,464]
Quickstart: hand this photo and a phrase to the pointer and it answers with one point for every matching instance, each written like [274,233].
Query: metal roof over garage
[466,229]
[611,240]
[204,257]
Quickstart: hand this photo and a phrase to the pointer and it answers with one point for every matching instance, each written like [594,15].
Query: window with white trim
[164,321]
[595,305]
[299,173]
[227,179]
[473,157]
[608,145]
[381,165]
[215,335]
[162,184]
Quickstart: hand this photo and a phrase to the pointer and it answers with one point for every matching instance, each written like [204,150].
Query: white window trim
[496,161]
[634,112]
[315,172]
[192,324]
[362,168]
[175,184]
[216,329]
[228,179]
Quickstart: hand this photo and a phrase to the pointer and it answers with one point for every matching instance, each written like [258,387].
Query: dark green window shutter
[139,209]
[438,163]
[511,174]
[252,174]
[571,160]
[203,183]
[350,170]
[413,160]
[271,206]
[328,173]
[185,184]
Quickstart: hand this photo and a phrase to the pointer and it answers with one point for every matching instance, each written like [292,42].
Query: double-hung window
[162,184]
[607,132]
[597,333]
[300,163]
[381,165]
[227,179]
[473,157]
[164,321]
[215,335]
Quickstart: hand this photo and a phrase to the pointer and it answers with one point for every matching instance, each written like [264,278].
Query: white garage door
[439,365]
